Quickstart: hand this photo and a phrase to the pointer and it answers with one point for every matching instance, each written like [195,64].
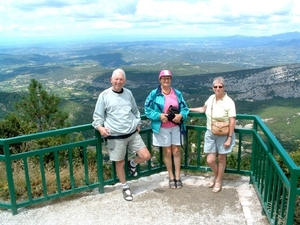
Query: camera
[171,113]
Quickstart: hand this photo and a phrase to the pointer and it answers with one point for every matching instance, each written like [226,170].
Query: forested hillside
[262,75]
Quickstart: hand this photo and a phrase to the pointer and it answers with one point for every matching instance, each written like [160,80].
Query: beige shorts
[117,147]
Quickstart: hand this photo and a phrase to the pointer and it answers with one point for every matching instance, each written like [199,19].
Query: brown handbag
[220,128]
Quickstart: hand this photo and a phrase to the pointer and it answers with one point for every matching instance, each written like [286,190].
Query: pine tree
[41,109]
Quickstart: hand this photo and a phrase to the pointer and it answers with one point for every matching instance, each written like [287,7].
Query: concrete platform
[154,203]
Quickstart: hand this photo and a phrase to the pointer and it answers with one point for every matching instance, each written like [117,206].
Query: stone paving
[154,203]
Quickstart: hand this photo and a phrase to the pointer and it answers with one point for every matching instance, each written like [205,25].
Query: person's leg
[120,171]
[167,154]
[142,156]
[175,140]
[163,139]
[177,160]
[211,161]
[136,145]
[125,187]
[222,160]
[117,151]
[220,173]
[210,151]
[221,167]
[177,164]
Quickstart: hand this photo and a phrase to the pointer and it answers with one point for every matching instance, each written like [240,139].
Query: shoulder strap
[212,104]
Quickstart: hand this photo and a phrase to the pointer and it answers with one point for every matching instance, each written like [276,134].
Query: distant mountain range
[255,68]
[238,41]
[245,85]
[254,84]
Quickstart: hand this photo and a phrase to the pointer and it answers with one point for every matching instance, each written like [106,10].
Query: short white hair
[117,71]
[219,79]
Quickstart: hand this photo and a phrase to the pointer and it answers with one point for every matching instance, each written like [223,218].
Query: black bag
[171,113]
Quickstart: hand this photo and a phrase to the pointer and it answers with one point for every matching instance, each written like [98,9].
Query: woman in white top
[221,107]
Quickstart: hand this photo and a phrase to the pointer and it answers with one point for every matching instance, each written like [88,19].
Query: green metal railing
[82,165]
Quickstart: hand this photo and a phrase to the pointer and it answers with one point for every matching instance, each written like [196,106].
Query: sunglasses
[218,87]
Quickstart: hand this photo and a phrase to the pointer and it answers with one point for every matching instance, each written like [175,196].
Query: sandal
[212,183]
[127,194]
[172,183]
[179,184]
[217,188]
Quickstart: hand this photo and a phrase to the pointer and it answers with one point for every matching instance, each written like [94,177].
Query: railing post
[99,161]
[185,147]
[254,155]
[292,198]
[10,180]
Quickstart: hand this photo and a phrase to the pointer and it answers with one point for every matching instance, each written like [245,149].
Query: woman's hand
[163,117]
[227,142]
[177,118]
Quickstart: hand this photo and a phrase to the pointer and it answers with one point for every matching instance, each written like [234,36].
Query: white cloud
[151,17]
[112,25]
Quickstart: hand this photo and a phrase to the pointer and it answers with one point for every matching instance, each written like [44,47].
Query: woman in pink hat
[167,110]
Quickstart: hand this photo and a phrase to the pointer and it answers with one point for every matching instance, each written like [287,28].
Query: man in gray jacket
[117,118]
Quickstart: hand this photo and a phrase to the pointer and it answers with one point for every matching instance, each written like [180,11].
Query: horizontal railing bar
[62,147]
[45,134]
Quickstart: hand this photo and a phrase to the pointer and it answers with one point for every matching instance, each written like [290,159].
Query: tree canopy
[36,112]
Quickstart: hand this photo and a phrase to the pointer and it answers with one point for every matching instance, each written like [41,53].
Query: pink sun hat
[164,73]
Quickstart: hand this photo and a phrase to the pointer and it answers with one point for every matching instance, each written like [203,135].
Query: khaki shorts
[117,147]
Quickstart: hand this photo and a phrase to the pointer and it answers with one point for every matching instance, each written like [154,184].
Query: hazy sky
[21,19]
